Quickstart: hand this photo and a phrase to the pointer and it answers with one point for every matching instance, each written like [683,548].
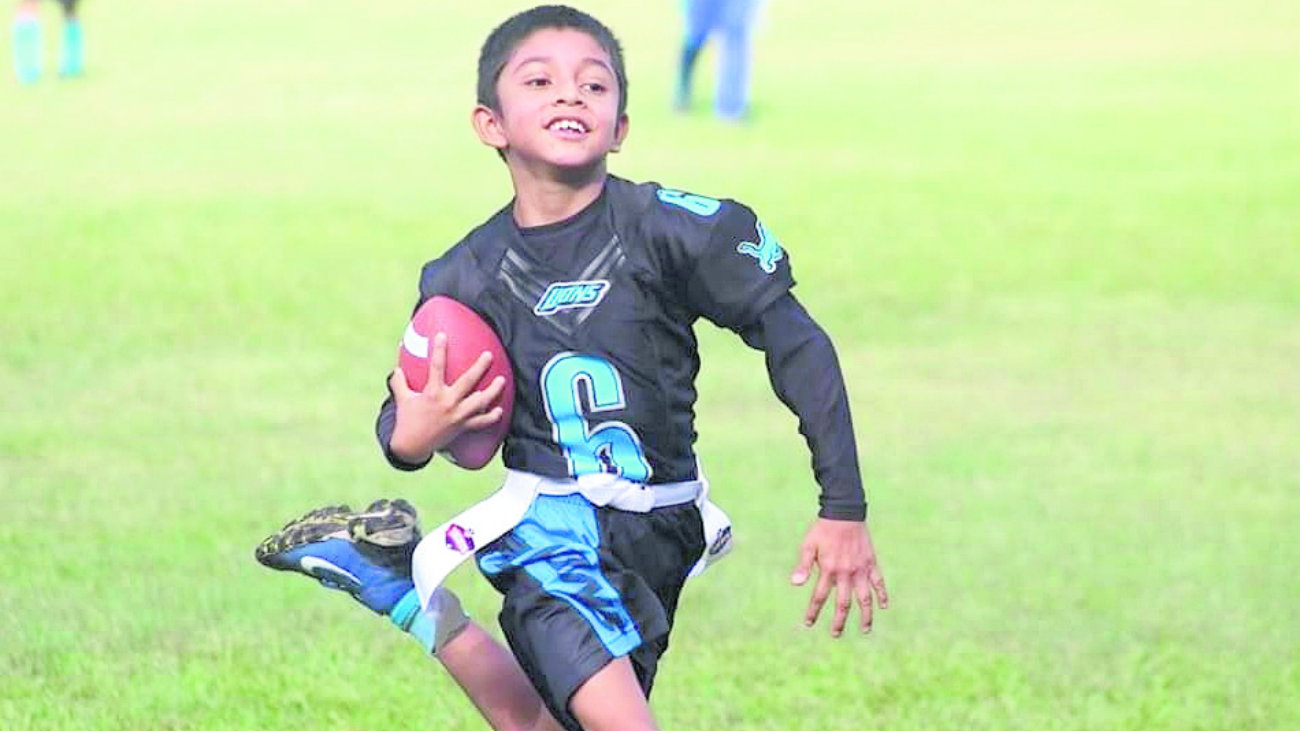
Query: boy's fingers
[862,587]
[819,595]
[801,570]
[437,363]
[878,583]
[470,378]
[493,391]
[843,602]
[397,382]
[484,420]
[480,402]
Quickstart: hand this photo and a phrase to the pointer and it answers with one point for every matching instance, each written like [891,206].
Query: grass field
[1058,246]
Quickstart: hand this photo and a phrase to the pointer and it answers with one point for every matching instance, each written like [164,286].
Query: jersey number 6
[612,447]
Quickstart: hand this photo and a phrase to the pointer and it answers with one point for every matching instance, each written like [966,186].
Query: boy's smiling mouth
[568,127]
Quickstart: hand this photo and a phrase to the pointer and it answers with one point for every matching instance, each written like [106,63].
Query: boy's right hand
[430,419]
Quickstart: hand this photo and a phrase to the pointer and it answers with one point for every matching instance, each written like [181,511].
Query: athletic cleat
[366,554]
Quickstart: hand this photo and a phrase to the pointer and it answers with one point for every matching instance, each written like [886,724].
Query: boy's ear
[620,132]
[488,127]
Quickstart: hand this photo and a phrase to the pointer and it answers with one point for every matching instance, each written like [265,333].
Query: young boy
[600,441]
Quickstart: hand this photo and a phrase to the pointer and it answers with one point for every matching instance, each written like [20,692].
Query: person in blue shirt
[732,23]
[27,41]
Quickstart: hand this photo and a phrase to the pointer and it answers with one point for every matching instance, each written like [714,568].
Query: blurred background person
[732,22]
[27,41]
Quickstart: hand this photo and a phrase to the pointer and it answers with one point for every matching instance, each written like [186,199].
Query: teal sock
[407,615]
[27,48]
[435,626]
[73,52]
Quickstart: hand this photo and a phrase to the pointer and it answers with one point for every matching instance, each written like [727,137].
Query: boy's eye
[595,87]
[538,82]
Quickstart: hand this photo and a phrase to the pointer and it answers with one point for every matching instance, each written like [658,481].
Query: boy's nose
[567,94]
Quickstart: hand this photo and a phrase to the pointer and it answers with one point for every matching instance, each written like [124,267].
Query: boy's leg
[368,555]
[733,69]
[27,41]
[612,700]
[72,62]
[492,680]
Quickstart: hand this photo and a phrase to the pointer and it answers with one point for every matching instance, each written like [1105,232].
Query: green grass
[1058,247]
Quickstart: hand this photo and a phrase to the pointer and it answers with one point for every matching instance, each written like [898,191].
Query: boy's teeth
[568,124]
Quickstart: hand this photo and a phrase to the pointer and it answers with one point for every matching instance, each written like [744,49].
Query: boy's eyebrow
[586,61]
[599,62]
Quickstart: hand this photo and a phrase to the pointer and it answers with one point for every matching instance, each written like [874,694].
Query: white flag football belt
[448,545]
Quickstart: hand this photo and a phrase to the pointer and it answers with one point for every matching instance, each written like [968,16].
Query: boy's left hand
[846,561]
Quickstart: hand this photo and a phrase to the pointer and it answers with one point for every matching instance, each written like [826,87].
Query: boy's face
[559,101]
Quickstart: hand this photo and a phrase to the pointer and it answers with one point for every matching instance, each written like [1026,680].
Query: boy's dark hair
[501,43]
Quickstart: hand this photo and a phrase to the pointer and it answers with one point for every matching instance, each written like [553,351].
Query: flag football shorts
[584,585]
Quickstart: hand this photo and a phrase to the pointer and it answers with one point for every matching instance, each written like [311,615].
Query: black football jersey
[598,321]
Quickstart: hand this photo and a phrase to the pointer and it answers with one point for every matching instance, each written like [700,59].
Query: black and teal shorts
[584,585]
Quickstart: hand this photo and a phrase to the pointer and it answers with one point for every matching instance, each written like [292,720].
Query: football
[468,335]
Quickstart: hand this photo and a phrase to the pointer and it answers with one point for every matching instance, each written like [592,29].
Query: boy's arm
[805,374]
[737,275]
[806,377]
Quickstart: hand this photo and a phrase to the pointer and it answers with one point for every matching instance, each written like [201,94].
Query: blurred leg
[734,64]
[72,62]
[700,16]
[27,42]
